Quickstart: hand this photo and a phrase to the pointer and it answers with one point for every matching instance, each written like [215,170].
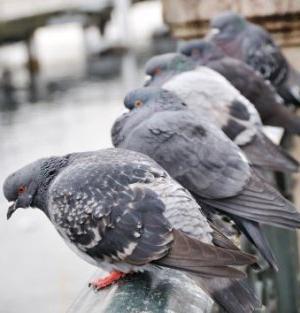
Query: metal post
[154,291]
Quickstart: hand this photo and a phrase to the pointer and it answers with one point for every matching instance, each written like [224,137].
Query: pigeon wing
[208,93]
[196,154]
[125,223]
[107,211]
[250,84]
[203,259]
[261,203]
[258,91]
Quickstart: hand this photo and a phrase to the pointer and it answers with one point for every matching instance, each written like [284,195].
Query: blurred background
[65,66]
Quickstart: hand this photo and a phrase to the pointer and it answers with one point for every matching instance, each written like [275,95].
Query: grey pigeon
[122,212]
[252,44]
[244,78]
[208,93]
[201,158]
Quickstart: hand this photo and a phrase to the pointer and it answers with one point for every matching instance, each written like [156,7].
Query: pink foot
[106,281]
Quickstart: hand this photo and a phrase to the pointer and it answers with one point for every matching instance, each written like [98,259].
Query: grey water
[38,271]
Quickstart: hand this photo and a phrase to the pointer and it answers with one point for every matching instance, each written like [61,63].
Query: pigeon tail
[208,266]
[233,296]
[255,234]
[264,153]
[258,202]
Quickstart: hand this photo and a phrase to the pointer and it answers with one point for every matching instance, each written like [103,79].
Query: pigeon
[119,210]
[252,44]
[207,92]
[202,159]
[244,78]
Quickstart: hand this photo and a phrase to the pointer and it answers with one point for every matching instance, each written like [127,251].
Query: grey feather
[210,95]
[119,210]
[249,82]
[203,160]
[252,44]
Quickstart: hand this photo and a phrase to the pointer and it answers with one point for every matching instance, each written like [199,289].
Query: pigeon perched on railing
[201,158]
[249,82]
[208,93]
[121,211]
[252,44]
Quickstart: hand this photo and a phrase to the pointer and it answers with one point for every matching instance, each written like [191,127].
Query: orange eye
[21,189]
[195,53]
[138,103]
[157,71]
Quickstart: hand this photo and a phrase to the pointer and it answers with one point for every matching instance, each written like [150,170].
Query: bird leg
[106,281]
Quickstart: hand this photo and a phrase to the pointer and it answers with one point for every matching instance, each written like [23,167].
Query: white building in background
[10,9]
[65,46]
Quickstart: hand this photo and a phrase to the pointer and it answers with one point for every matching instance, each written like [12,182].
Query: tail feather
[233,296]
[264,153]
[255,234]
[258,202]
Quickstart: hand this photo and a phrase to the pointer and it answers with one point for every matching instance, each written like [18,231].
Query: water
[38,271]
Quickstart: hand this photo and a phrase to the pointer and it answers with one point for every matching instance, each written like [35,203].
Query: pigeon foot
[101,283]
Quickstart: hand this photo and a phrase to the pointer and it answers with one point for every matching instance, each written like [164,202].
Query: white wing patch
[210,94]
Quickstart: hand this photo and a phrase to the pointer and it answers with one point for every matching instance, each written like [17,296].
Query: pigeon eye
[157,71]
[138,103]
[21,189]
[195,53]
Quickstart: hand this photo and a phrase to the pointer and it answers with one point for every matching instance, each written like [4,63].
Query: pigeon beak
[12,208]
[212,33]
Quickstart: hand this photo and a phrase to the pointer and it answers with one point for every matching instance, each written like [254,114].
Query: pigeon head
[227,25]
[163,67]
[27,187]
[201,51]
[153,99]
[143,103]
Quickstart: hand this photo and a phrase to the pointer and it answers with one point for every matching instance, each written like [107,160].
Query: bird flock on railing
[187,160]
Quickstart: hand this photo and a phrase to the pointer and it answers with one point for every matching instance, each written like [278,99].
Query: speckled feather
[120,210]
[100,206]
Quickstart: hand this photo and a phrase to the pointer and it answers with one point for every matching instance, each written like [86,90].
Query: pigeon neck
[49,170]
[40,200]
[215,56]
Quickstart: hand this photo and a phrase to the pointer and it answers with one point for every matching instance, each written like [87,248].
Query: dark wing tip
[191,255]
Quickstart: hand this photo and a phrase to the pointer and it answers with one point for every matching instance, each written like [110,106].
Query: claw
[101,283]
